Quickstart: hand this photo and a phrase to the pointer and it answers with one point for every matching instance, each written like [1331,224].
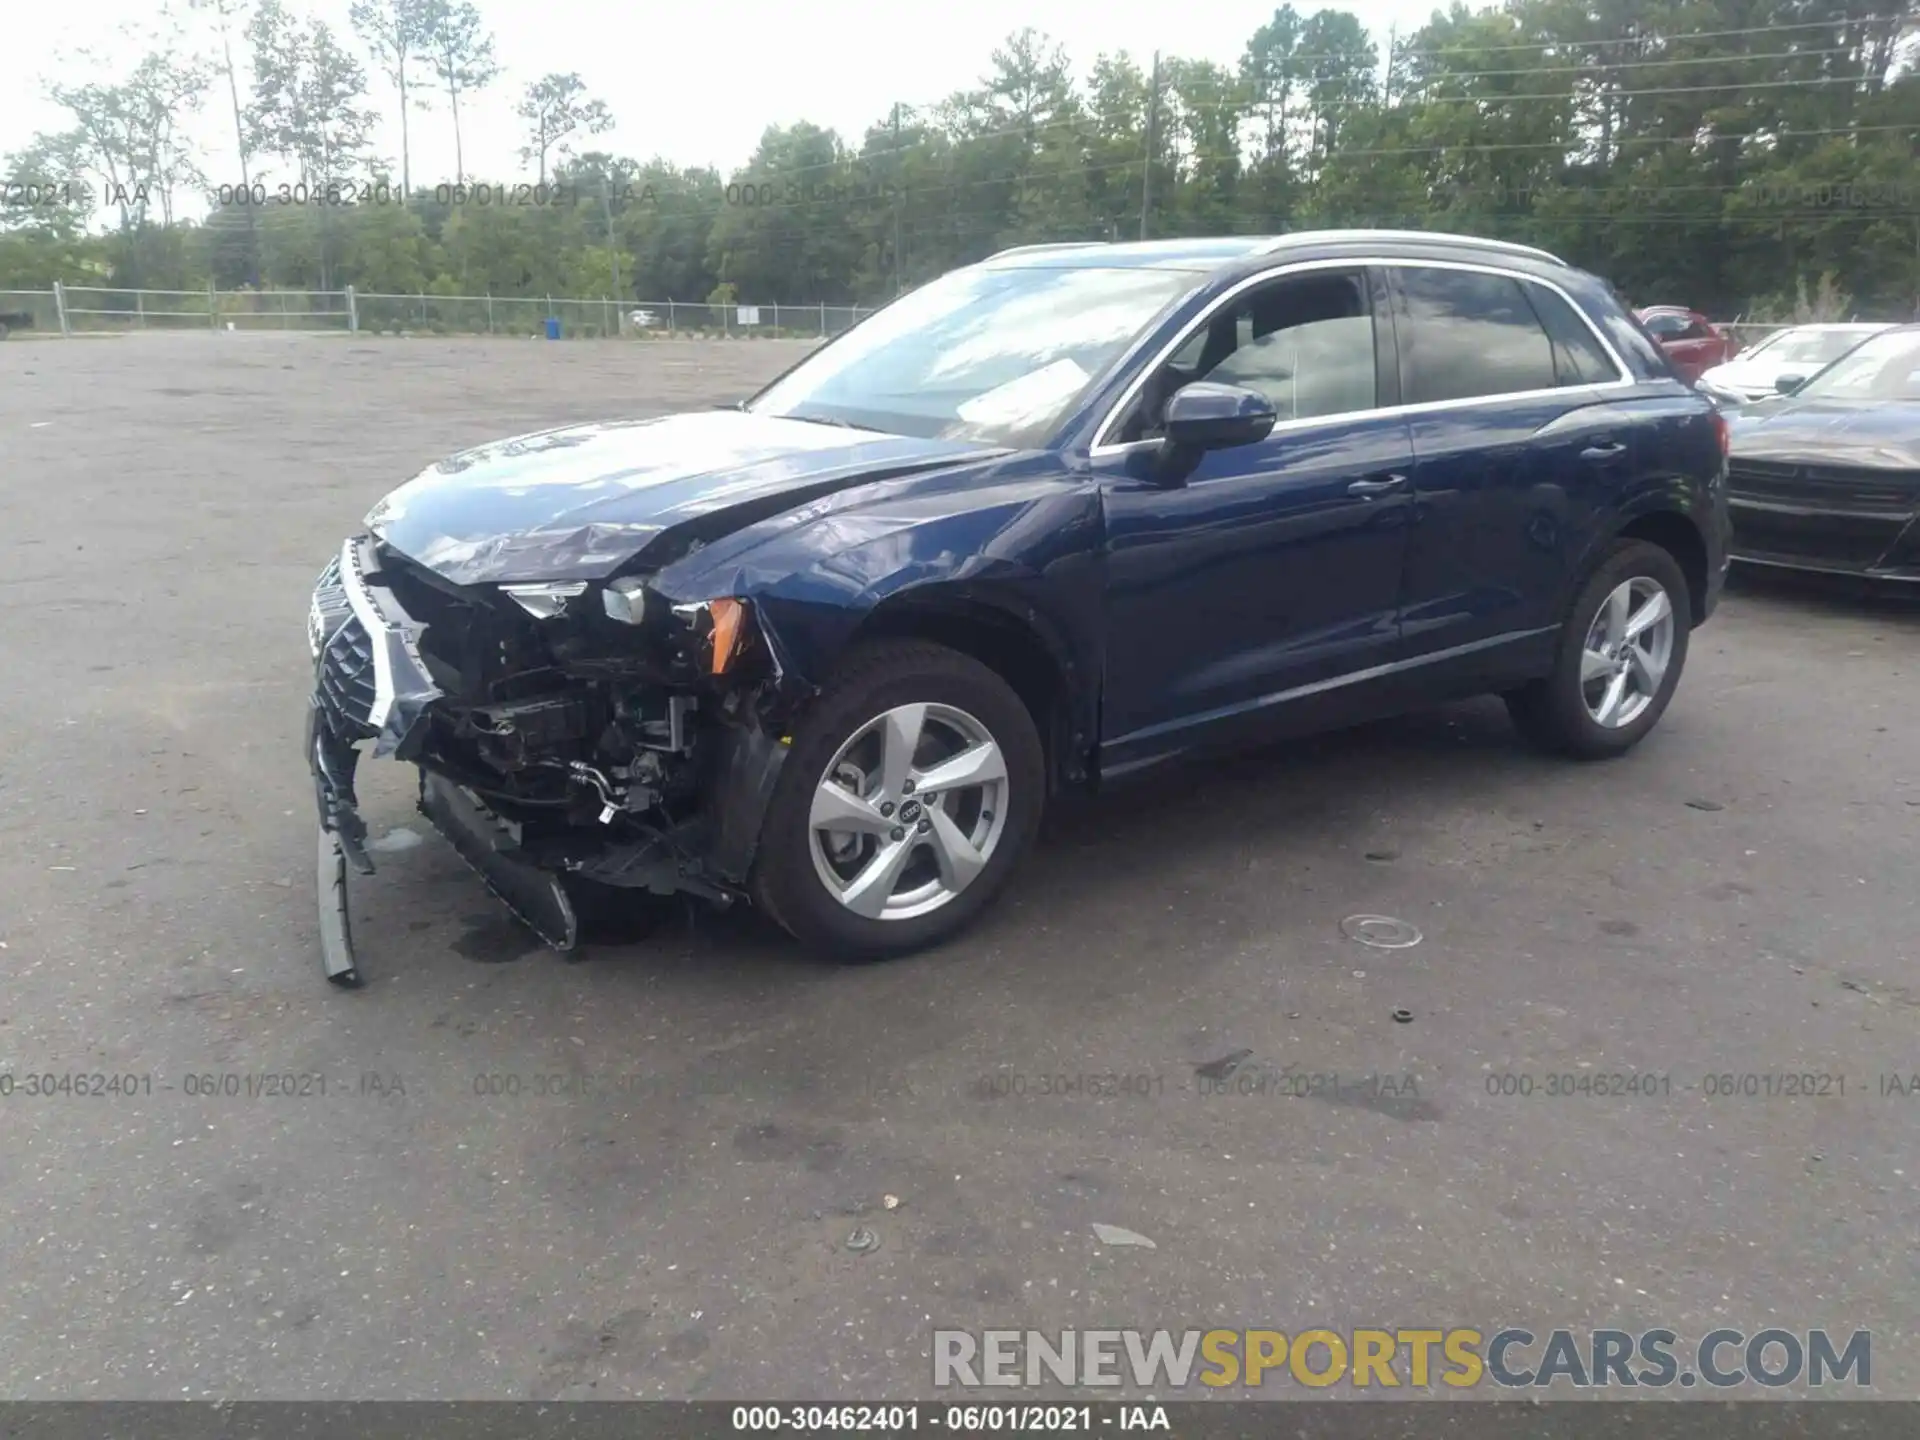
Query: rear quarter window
[1578,357]
[1630,337]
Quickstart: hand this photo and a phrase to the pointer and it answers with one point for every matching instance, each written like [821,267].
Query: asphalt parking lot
[637,1175]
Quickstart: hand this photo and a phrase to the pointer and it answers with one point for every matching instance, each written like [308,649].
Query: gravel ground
[671,1217]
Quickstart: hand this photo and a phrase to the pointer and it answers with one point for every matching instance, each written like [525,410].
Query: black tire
[872,680]
[1552,712]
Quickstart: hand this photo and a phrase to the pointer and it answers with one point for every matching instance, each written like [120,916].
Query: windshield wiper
[834,421]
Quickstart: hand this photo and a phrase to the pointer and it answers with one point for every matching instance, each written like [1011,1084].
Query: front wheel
[913,788]
[1621,651]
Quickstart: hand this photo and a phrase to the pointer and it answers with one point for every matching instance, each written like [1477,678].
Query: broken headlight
[625,600]
[723,621]
[547,599]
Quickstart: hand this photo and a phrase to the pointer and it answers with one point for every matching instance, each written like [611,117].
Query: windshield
[1886,367]
[993,355]
[1807,347]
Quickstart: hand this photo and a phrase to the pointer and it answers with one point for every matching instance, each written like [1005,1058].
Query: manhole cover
[1383,932]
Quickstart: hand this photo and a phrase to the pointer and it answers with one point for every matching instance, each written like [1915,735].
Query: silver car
[1794,353]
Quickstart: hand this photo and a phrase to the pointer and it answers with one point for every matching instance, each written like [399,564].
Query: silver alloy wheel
[908,812]
[1627,651]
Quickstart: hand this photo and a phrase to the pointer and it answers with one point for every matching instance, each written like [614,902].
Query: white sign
[747,315]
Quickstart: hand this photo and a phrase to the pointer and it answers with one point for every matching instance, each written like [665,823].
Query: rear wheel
[1621,651]
[913,788]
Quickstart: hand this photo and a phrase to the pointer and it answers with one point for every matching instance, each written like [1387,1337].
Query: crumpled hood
[1872,434]
[580,502]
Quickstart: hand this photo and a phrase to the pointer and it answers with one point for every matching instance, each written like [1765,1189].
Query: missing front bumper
[372,688]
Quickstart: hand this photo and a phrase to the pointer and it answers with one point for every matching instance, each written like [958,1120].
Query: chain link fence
[29,310]
[84,309]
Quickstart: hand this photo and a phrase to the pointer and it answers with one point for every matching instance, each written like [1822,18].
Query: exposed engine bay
[564,732]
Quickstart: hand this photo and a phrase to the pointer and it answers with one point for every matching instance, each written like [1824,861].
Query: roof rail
[1036,249]
[1430,237]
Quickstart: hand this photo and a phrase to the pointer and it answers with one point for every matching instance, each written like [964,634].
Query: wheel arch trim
[1641,521]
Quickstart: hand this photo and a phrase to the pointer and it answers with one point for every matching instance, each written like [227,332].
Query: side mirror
[1787,384]
[1204,416]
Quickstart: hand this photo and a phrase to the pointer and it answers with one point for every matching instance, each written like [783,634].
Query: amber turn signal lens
[727,618]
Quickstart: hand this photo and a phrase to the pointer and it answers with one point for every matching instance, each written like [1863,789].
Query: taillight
[1725,436]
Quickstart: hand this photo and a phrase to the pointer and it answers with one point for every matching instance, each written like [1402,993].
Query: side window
[1577,356]
[1466,333]
[1667,327]
[1305,342]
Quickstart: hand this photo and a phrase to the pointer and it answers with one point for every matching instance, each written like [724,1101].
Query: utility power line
[1411,99]
[1609,66]
[1838,23]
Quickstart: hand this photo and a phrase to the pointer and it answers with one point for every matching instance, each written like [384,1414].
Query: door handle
[1605,450]
[1376,485]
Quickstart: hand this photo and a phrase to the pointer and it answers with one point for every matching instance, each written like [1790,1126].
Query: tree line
[1734,155]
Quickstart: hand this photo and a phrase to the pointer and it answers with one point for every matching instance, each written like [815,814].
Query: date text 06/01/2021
[907,1418]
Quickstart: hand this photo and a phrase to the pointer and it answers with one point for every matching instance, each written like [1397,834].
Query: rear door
[1515,440]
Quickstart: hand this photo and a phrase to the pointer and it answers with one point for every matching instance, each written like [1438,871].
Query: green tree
[126,140]
[227,16]
[461,53]
[399,34]
[555,108]
[307,111]
[790,228]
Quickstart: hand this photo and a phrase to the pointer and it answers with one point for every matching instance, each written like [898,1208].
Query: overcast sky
[695,82]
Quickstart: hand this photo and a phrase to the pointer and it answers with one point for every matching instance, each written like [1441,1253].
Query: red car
[1692,342]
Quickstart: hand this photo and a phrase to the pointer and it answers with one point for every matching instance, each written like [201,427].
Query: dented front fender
[1025,538]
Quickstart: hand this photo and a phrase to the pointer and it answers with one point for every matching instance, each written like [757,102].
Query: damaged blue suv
[1046,521]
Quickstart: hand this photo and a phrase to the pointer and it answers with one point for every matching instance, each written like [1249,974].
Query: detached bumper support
[536,897]
[342,837]
[337,959]
[402,692]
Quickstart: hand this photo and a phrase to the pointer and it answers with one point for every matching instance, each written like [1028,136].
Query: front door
[1265,587]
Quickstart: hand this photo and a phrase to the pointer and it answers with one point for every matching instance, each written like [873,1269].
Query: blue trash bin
[553,327]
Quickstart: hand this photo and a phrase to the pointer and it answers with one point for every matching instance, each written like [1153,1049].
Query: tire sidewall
[1630,560]
[785,882]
